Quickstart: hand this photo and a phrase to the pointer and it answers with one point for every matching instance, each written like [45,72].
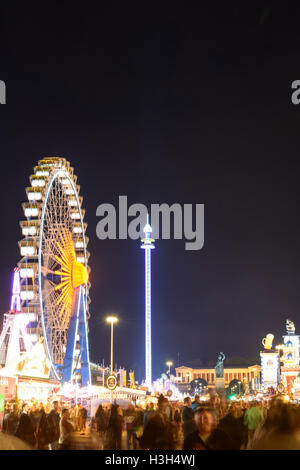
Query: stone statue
[219,367]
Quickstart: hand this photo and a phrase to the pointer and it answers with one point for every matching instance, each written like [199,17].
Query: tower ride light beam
[147,245]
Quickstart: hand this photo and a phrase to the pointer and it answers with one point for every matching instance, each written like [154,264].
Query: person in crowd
[34,415]
[72,415]
[26,430]
[207,435]
[215,403]
[138,424]
[47,408]
[40,411]
[75,416]
[54,421]
[222,407]
[252,419]
[12,420]
[188,423]
[129,419]
[280,431]
[43,430]
[196,403]
[158,431]
[113,437]
[100,420]
[82,419]
[147,415]
[6,408]
[264,408]
[66,430]
[169,411]
[6,414]
[233,425]
[121,425]
[176,423]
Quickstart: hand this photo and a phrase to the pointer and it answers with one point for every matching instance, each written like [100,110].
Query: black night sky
[165,102]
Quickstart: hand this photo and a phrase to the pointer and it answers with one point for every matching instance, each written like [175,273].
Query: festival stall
[27,378]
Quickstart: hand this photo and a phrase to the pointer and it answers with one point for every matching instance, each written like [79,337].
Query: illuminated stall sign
[34,363]
[290,350]
[269,369]
[8,387]
[111,382]
[33,390]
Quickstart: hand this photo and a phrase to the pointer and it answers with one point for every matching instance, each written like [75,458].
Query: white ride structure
[148,245]
[14,339]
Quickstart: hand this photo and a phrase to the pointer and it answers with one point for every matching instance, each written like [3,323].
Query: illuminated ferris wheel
[54,267]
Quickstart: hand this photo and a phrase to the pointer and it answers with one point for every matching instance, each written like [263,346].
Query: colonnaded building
[248,375]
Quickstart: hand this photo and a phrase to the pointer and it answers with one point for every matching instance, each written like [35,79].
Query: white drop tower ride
[147,245]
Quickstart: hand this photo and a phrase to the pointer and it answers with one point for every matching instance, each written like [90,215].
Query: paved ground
[84,442]
[91,441]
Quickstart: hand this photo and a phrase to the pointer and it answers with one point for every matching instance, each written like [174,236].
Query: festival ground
[91,441]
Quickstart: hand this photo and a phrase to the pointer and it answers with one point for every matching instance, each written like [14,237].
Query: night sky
[165,102]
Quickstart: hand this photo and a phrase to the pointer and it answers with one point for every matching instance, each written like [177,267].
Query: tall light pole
[111,320]
[169,364]
[147,245]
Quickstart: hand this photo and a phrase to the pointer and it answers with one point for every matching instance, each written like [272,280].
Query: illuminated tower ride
[147,245]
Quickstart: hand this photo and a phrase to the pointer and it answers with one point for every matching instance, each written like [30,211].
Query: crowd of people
[216,424]
[44,427]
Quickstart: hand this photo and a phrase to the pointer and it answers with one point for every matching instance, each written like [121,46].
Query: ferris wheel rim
[56,174]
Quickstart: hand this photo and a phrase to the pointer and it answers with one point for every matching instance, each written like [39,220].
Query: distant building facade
[290,357]
[249,375]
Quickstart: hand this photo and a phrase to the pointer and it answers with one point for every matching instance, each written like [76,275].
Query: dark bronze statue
[219,367]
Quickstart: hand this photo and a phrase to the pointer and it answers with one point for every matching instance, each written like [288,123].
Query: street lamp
[111,320]
[169,364]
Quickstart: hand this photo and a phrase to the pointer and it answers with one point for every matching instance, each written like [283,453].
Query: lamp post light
[111,320]
[169,364]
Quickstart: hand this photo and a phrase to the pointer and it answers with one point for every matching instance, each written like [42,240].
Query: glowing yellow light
[111,319]
[73,274]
